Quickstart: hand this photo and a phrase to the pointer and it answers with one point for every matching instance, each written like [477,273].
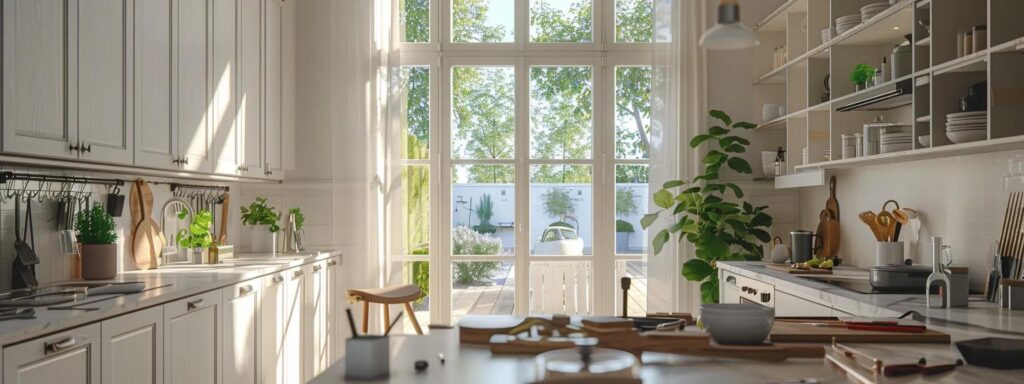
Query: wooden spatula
[149,239]
[887,222]
[869,218]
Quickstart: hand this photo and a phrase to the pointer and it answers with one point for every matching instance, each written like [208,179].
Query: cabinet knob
[297,273]
[59,345]
[332,263]
[175,160]
[195,304]
[74,147]
[245,290]
[277,279]
[766,297]
[185,160]
[316,268]
[87,148]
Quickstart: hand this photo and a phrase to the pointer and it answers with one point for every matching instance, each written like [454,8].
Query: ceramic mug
[803,245]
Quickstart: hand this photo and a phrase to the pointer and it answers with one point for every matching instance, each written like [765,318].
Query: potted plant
[484,212]
[197,238]
[861,74]
[97,238]
[719,226]
[625,205]
[558,203]
[262,221]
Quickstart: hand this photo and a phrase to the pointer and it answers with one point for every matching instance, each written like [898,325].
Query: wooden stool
[404,294]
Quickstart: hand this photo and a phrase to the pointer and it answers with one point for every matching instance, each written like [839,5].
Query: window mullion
[522,190]
[440,266]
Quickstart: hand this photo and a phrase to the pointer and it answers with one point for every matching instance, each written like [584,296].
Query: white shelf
[801,179]
[927,41]
[865,92]
[776,21]
[924,119]
[977,147]
[975,62]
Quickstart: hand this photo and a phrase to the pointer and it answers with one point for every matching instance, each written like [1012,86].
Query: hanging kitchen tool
[24,270]
[148,240]
[869,218]
[222,233]
[832,204]
[827,241]
[888,224]
[115,202]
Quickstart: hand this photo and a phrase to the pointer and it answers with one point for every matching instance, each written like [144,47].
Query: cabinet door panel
[315,339]
[193,125]
[35,109]
[240,333]
[103,80]
[272,89]
[792,306]
[133,348]
[155,144]
[68,357]
[291,347]
[192,340]
[272,329]
[334,299]
[250,99]
[225,72]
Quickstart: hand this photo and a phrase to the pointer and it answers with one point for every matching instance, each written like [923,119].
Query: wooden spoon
[887,223]
[868,218]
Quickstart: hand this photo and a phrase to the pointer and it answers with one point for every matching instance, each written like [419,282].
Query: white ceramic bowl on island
[737,324]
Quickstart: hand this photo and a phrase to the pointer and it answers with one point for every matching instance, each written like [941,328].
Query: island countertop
[175,282]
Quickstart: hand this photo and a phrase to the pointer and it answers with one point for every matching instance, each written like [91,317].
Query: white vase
[261,240]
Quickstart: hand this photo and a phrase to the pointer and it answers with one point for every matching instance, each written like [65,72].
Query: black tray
[993,352]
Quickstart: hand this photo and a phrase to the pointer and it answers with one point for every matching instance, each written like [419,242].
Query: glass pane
[560,112]
[561,216]
[632,112]
[636,299]
[414,20]
[483,210]
[418,273]
[482,288]
[416,112]
[560,287]
[630,207]
[556,21]
[483,112]
[483,21]
[634,21]
[413,210]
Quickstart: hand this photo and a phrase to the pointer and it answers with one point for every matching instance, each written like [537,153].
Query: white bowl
[925,140]
[958,137]
[737,323]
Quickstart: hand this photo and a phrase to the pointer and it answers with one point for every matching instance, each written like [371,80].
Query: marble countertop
[983,317]
[180,280]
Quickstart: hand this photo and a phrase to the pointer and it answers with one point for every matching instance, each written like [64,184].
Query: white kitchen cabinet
[155,144]
[241,332]
[291,344]
[335,305]
[35,95]
[192,114]
[224,80]
[250,83]
[281,314]
[104,73]
[315,347]
[132,347]
[192,339]
[788,305]
[272,86]
[69,357]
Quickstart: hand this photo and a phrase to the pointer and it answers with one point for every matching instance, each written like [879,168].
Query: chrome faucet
[941,275]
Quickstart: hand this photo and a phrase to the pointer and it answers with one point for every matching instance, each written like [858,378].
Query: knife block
[366,357]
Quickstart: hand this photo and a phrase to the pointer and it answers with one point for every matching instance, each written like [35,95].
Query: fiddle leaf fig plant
[702,212]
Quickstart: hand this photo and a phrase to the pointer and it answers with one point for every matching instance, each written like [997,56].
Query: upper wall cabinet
[68,79]
[190,85]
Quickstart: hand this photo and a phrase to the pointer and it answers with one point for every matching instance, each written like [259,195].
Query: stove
[862,286]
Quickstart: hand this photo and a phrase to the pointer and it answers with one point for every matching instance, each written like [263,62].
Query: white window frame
[603,55]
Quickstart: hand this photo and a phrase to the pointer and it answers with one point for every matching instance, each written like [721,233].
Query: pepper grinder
[940,277]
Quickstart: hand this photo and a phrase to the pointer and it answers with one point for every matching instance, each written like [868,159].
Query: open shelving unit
[937,80]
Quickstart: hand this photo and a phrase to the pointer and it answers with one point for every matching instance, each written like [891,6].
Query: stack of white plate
[873,9]
[964,127]
[895,140]
[848,22]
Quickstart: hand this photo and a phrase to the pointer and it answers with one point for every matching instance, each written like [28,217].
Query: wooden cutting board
[789,332]
[832,204]
[796,271]
[147,238]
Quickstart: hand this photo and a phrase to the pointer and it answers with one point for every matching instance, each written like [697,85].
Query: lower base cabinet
[192,346]
[69,357]
[241,332]
[132,347]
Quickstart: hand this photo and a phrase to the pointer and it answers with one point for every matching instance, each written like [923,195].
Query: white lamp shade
[728,36]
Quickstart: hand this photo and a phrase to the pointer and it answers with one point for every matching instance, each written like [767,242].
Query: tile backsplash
[55,267]
[962,199]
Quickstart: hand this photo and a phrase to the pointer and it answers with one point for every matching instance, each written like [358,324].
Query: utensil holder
[888,253]
[959,287]
[366,357]
[1013,294]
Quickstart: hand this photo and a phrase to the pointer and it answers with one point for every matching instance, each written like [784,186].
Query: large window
[525,140]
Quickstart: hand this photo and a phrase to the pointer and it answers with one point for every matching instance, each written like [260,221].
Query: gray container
[902,60]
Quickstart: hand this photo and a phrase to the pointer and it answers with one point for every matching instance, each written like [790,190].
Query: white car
[559,240]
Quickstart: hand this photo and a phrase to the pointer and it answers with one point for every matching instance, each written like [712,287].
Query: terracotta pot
[99,261]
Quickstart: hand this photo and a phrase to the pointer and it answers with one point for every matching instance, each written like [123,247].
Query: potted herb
[625,205]
[861,74]
[97,238]
[700,211]
[262,221]
[298,220]
[197,238]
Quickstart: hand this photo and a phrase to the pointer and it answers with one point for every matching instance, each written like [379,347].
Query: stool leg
[387,317]
[366,317]
[412,316]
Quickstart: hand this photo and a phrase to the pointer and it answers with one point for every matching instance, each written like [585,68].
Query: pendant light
[728,33]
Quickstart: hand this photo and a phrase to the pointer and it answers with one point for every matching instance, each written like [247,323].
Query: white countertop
[184,280]
[986,317]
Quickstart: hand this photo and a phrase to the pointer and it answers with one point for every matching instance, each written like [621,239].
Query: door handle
[58,346]
[297,273]
[74,148]
[332,263]
[87,148]
[195,304]
[316,268]
[277,279]
[245,290]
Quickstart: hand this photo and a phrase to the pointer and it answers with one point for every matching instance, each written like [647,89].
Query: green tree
[557,202]
[415,20]
[634,21]
[469,23]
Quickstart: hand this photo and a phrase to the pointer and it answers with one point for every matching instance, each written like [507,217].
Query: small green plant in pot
[97,238]
[861,74]
[700,211]
[197,238]
[262,220]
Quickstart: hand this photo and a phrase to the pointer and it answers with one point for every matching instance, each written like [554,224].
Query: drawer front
[192,303]
[71,356]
